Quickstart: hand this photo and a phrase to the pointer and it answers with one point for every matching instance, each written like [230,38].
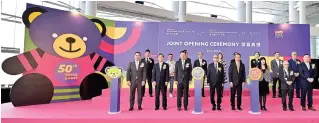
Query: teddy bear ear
[100,25]
[30,14]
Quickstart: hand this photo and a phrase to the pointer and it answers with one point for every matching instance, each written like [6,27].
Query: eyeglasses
[286,64]
[294,54]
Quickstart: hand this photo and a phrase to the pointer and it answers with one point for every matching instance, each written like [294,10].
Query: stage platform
[96,111]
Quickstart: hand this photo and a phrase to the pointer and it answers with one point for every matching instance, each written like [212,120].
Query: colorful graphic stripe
[66,93]
[100,63]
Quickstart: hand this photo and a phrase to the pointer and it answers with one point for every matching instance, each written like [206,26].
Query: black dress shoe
[185,109]
[284,109]
[189,95]
[261,108]
[304,109]
[140,108]
[311,108]
[273,96]
[151,95]
[179,109]
[233,108]
[218,108]
[156,108]
[265,108]
[164,108]
[279,96]
[239,108]
[131,109]
[214,108]
[291,109]
[203,95]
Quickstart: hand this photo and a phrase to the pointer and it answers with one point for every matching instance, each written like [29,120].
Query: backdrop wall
[123,39]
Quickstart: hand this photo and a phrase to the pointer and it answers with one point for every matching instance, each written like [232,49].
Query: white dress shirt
[136,64]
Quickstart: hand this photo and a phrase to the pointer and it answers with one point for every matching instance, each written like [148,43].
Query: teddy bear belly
[66,76]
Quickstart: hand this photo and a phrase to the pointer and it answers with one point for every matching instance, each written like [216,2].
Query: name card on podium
[254,75]
[115,74]
[198,75]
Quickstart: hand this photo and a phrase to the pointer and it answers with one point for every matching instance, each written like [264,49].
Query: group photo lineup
[82,61]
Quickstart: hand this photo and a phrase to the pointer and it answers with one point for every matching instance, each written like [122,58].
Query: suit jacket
[235,76]
[294,65]
[149,67]
[160,76]
[254,63]
[275,68]
[204,64]
[215,76]
[183,74]
[284,77]
[134,75]
[306,73]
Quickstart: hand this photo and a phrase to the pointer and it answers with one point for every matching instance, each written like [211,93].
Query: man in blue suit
[160,79]
[294,64]
[308,73]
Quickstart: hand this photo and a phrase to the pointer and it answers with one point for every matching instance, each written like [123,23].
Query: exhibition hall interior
[73,61]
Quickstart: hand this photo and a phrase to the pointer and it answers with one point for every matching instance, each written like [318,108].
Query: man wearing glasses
[294,64]
[287,76]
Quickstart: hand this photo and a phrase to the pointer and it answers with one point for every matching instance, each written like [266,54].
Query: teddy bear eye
[85,38]
[54,35]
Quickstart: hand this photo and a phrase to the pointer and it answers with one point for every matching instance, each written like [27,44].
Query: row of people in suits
[182,76]
[290,75]
[216,77]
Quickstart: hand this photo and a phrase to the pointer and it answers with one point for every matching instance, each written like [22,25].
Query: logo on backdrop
[279,34]
[116,33]
[67,72]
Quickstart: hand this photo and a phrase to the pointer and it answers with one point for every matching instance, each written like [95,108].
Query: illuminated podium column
[198,74]
[115,74]
[254,75]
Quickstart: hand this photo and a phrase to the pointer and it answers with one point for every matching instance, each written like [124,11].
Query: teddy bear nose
[70,40]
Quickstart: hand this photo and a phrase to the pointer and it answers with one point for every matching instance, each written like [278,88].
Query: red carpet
[96,111]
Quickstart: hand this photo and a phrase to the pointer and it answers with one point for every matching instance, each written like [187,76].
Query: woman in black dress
[256,61]
[223,62]
[263,83]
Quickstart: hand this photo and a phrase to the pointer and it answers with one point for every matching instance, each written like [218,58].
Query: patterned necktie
[216,68]
[183,62]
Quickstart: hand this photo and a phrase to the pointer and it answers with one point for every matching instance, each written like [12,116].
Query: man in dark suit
[183,70]
[188,59]
[308,73]
[215,78]
[160,79]
[135,77]
[275,65]
[237,78]
[286,76]
[149,67]
[234,55]
[200,62]
[294,64]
